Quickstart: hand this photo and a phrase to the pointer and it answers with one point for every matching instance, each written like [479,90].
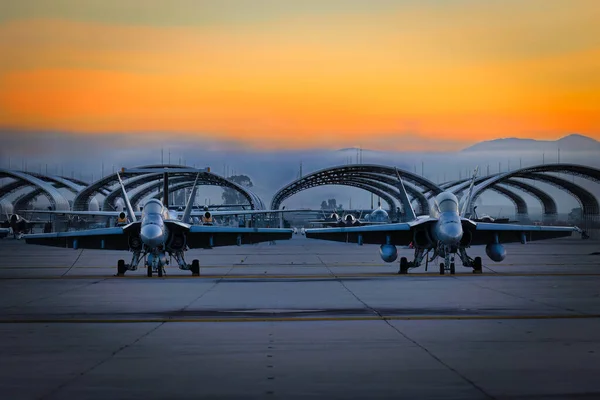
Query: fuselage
[448,228]
[153,231]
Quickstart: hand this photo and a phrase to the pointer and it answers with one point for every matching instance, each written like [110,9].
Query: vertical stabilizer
[408,210]
[166,190]
[127,202]
[466,208]
[190,203]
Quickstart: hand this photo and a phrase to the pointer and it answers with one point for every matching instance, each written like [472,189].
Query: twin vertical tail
[408,209]
[127,202]
[190,203]
[166,190]
[466,208]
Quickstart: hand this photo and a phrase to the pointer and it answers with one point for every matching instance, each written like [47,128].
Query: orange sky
[309,76]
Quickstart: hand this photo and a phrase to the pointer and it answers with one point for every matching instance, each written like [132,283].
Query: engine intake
[495,251]
[466,239]
[388,253]
[422,239]
[177,241]
[135,243]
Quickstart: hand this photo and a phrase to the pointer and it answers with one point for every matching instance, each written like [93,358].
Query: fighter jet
[378,216]
[158,236]
[444,232]
[19,225]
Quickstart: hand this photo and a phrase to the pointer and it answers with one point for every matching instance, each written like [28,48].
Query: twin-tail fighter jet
[158,236]
[378,216]
[18,225]
[444,232]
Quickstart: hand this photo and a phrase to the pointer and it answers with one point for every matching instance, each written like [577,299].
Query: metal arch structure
[60,182]
[178,185]
[13,187]
[6,207]
[130,184]
[183,181]
[135,180]
[75,180]
[368,182]
[586,199]
[549,208]
[573,169]
[348,172]
[415,193]
[518,201]
[56,199]
[376,188]
[83,198]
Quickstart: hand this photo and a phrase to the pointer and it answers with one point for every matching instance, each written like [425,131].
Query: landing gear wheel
[160,271]
[477,268]
[452,269]
[442,268]
[121,268]
[195,268]
[149,271]
[403,266]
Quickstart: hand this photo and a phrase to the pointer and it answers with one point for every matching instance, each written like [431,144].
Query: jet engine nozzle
[495,251]
[388,253]
[151,235]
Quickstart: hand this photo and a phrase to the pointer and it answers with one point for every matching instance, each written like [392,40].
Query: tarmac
[300,319]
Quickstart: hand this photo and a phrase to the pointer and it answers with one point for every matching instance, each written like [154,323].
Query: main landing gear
[467,261]
[405,265]
[156,262]
[447,266]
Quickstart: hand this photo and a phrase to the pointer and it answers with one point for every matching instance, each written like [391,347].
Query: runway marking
[311,265]
[309,276]
[297,319]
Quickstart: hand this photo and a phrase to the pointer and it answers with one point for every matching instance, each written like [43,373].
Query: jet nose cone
[151,235]
[451,233]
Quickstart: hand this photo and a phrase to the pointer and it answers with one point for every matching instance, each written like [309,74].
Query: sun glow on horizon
[457,73]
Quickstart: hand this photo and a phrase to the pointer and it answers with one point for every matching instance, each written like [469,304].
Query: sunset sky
[279,74]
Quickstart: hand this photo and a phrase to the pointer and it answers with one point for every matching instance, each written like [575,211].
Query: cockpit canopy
[446,202]
[379,215]
[153,206]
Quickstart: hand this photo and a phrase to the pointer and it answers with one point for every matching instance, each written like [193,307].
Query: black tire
[403,266]
[195,268]
[121,268]
[442,268]
[477,267]
[149,271]
[452,269]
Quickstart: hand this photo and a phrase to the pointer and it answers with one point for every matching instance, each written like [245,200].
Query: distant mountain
[572,142]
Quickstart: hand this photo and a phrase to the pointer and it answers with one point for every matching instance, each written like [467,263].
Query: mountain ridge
[572,142]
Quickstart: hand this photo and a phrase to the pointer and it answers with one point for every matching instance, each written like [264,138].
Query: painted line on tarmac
[309,277]
[241,266]
[297,319]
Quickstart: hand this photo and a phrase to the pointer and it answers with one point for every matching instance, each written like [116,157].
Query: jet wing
[485,232]
[400,234]
[197,213]
[103,239]
[89,213]
[209,236]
